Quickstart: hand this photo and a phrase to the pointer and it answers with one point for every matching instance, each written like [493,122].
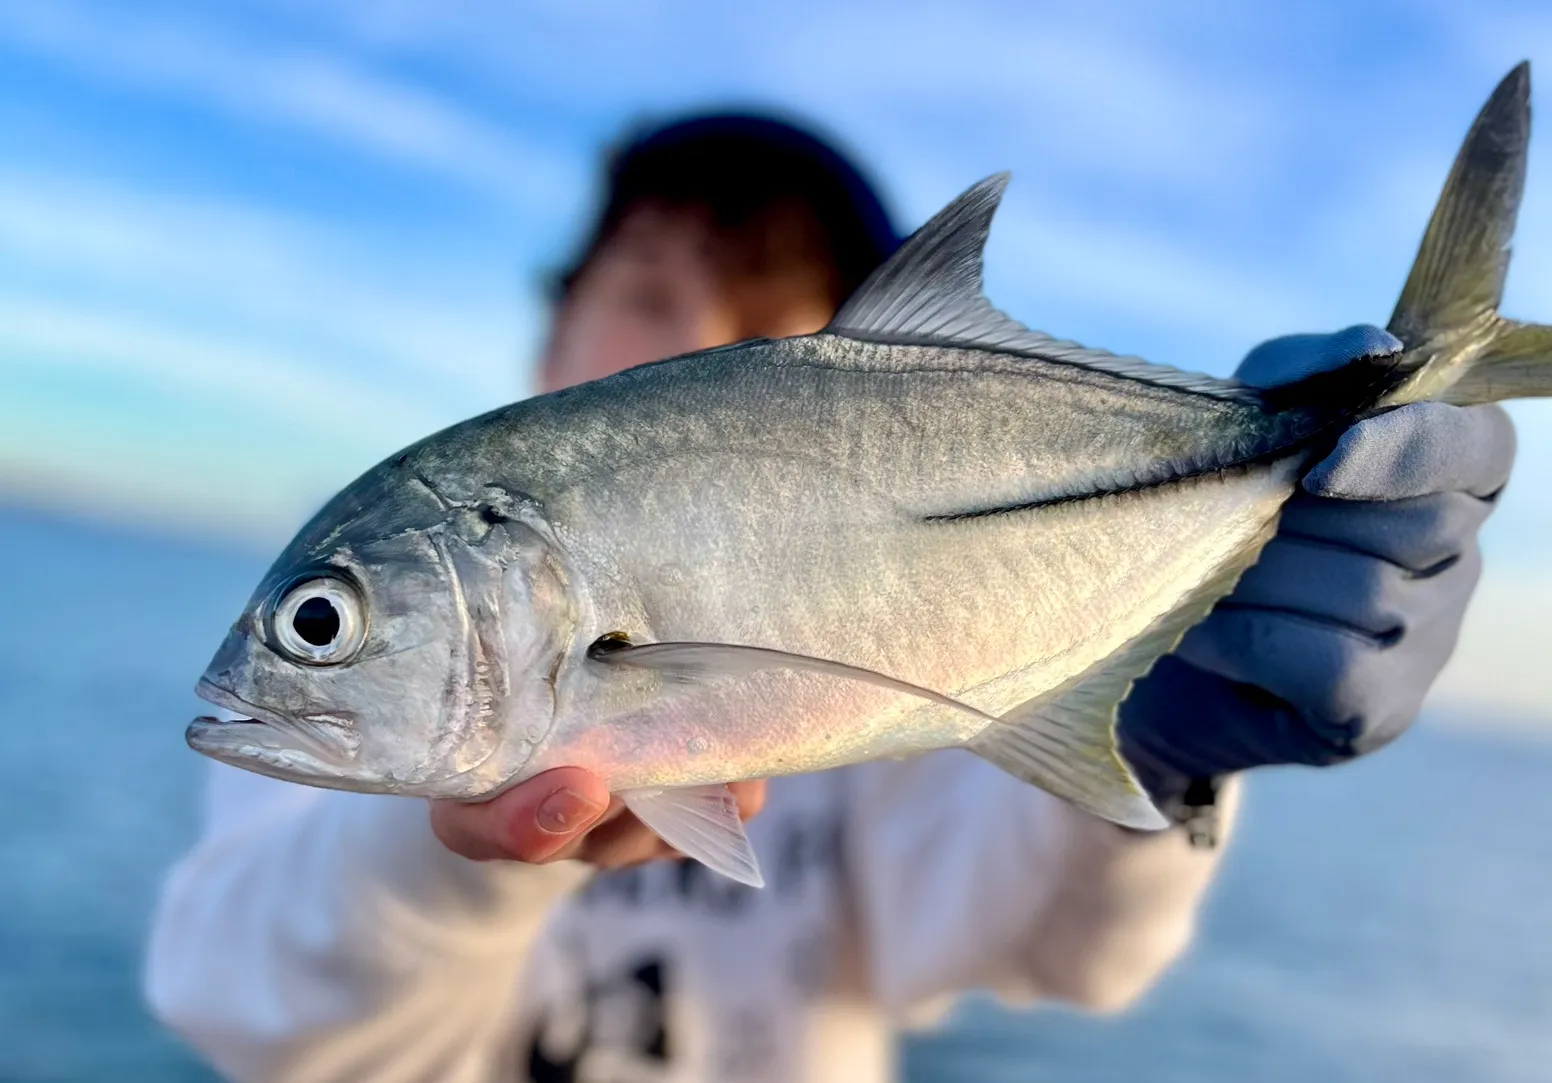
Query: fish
[924,527]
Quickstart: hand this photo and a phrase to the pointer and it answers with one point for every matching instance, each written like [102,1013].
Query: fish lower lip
[246,739]
[264,731]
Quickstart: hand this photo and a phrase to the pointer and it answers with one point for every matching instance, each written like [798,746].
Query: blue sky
[247,249]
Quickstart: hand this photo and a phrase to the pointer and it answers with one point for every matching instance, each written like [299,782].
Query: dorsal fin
[931,288]
[930,291]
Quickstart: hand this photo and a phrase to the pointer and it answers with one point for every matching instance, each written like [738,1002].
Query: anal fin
[1065,740]
[700,822]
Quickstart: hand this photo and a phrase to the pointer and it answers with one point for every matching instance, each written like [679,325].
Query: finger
[1347,588]
[1338,680]
[1417,534]
[1421,448]
[1286,360]
[1186,722]
[750,797]
[1302,660]
[531,822]
[468,830]
[622,842]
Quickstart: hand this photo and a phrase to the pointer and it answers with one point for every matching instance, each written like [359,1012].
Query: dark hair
[736,168]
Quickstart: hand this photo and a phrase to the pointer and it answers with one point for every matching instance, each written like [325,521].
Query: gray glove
[1326,648]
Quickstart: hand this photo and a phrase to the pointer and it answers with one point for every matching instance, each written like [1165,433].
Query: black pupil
[317,621]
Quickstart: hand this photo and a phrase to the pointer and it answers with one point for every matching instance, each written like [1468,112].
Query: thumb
[1291,358]
[533,822]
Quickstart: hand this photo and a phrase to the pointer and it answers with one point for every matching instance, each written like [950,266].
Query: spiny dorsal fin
[1458,276]
[931,288]
[931,291]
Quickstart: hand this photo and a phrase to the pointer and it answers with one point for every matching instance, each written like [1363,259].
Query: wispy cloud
[107,410]
[1068,86]
[289,84]
[300,388]
[394,307]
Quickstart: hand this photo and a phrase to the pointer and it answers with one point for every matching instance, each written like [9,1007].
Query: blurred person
[317,935]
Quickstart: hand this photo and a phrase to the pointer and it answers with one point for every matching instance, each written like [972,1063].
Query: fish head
[399,645]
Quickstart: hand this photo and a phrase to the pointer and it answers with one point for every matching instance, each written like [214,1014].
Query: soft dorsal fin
[931,291]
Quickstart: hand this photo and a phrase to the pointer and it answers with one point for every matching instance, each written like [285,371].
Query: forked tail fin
[1448,310]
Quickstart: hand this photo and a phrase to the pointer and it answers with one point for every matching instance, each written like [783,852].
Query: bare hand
[566,813]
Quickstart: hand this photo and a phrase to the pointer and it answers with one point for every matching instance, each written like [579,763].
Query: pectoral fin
[700,822]
[708,661]
[1064,744]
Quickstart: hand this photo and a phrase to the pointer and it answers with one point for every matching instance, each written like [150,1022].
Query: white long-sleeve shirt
[318,936]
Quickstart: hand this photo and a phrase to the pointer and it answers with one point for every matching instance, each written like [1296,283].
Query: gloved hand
[1327,646]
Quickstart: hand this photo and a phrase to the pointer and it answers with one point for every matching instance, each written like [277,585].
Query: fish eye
[319,621]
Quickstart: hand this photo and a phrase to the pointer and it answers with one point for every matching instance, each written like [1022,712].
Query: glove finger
[1327,674]
[1421,448]
[1184,722]
[1335,586]
[1291,358]
[1374,597]
[1418,534]
[1336,677]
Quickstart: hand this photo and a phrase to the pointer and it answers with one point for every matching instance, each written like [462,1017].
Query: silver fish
[924,527]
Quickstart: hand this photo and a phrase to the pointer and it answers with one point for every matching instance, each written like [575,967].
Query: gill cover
[415,639]
[511,598]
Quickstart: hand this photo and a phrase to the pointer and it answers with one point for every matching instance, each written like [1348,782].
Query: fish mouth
[271,743]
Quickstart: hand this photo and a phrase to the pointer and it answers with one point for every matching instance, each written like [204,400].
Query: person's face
[660,287]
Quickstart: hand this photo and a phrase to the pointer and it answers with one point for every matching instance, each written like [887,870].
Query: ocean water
[1391,920]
